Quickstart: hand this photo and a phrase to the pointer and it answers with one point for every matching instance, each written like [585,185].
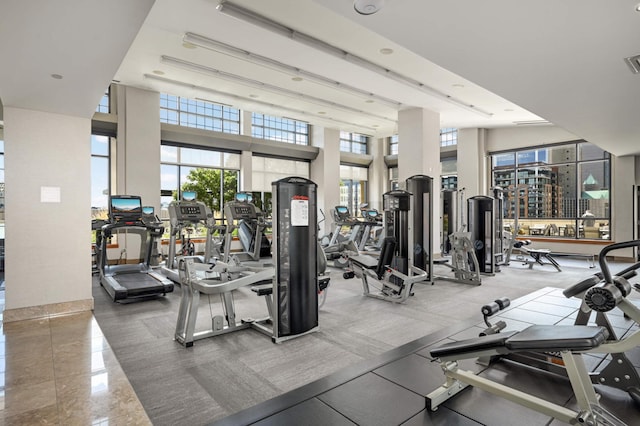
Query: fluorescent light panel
[260,85]
[263,22]
[254,58]
[253,101]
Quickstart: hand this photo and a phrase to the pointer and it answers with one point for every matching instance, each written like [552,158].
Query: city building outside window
[547,190]
[199,114]
[279,129]
[100,175]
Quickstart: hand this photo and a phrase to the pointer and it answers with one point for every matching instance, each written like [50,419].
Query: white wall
[525,136]
[48,257]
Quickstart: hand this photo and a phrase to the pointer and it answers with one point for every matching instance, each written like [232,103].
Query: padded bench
[544,338]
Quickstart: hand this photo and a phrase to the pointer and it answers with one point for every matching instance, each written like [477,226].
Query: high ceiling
[483,64]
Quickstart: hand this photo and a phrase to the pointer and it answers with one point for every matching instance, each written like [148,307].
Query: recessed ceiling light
[375,125]
[457,85]
[188,45]
[367,7]
[637,7]
[321,112]
[508,109]
[369,101]
[253,96]
[158,72]
[296,78]
[56,76]
[386,51]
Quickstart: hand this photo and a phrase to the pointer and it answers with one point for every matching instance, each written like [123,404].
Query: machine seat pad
[263,289]
[538,251]
[557,338]
[365,261]
[491,341]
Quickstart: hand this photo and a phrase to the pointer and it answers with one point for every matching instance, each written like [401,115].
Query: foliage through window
[279,129]
[213,175]
[558,191]
[199,114]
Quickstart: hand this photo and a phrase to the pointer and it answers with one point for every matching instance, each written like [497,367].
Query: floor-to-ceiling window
[100,176]
[557,191]
[353,187]
[212,175]
[266,170]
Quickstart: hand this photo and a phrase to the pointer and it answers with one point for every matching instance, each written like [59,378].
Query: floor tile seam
[330,407]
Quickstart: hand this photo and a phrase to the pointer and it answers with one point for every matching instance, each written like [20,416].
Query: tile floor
[62,371]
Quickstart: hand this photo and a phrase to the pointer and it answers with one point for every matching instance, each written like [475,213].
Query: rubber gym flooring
[390,389]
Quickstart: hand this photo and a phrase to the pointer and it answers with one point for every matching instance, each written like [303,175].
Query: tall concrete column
[246,171]
[138,145]
[378,174]
[419,154]
[325,171]
[47,214]
[472,162]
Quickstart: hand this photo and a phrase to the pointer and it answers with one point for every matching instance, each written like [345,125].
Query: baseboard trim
[47,311]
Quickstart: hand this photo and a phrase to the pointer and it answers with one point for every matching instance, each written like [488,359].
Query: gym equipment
[498,228]
[347,226]
[464,262]
[392,285]
[558,349]
[185,215]
[131,281]
[292,298]
[480,213]
[449,223]
[421,210]
[243,215]
[570,341]
[538,256]
[397,204]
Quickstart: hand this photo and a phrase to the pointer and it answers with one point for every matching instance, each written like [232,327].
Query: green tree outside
[206,184]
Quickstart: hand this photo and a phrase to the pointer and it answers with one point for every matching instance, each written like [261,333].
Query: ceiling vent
[634,63]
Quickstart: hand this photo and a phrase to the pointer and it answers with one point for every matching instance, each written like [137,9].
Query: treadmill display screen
[189,195]
[125,208]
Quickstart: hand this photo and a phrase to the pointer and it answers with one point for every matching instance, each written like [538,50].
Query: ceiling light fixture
[190,86]
[56,76]
[263,22]
[191,66]
[367,7]
[386,51]
[530,122]
[217,46]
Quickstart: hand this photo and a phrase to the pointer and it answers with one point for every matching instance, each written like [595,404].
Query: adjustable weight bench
[570,341]
[392,285]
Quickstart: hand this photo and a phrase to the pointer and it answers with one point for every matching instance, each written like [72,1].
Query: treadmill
[128,281]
